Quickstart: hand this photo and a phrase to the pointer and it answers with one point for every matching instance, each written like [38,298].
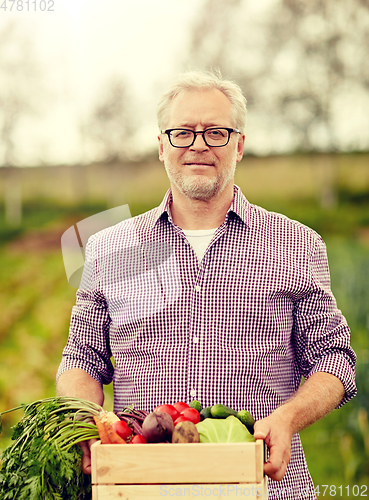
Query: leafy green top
[44,462]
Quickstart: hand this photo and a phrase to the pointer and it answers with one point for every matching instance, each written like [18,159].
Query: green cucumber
[244,416]
[222,411]
[205,413]
[247,419]
[196,404]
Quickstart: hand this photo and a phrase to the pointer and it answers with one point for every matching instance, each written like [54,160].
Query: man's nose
[199,144]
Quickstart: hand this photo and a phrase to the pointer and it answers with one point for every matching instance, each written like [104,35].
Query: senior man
[212,298]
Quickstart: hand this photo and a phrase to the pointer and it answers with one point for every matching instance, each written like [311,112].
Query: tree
[318,52]
[211,35]
[19,77]
[112,123]
[19,86]
[301,63]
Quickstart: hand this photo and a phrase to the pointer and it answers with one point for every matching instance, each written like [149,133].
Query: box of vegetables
[184,450]
[176,450]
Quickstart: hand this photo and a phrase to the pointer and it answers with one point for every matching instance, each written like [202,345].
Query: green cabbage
[223,430]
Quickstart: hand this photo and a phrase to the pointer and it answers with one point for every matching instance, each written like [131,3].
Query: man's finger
[277,463]
[86,464]
[275,471]
[86,457]
[261,430]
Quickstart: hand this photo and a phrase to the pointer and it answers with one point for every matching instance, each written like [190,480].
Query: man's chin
[199,186]
[200,189]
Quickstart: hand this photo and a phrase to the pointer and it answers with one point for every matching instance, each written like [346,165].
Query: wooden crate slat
[156,491]
[179,463]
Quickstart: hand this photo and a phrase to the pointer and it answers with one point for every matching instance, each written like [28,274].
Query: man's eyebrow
[205,125]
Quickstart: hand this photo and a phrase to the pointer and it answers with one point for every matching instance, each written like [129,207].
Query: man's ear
[161,148]
[240,147]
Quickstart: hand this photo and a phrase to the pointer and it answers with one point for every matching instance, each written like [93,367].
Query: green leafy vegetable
[44,462]
[228,430]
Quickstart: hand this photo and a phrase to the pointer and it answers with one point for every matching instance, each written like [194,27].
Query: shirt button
[192,393]
[197,288]
[196,339]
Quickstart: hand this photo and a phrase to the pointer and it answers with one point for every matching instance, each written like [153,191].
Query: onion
[158,427]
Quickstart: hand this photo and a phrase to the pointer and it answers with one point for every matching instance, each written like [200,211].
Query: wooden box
[155,471]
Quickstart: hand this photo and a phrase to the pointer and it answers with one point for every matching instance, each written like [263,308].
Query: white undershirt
[199,239]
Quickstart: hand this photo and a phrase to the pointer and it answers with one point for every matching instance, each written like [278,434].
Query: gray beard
[200,188]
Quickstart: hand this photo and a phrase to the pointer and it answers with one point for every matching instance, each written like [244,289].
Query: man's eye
[181,134]
[216,134]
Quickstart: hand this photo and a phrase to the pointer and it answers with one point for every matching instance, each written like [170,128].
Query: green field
[328,193]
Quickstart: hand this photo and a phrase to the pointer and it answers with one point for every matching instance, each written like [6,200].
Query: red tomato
[191,414]
[180,406]
[138,439]
[173,412]
[122,429]
[181,418]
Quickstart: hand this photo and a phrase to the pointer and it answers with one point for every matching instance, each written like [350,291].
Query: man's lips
[199,163]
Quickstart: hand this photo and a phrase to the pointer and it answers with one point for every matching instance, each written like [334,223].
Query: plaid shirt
[241,327]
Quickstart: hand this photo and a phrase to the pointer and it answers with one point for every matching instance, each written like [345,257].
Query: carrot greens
[44,460]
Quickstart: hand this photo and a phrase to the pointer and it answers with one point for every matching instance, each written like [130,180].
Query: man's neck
[199,214]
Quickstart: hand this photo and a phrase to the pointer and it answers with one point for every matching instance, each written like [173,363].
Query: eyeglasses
[214,137]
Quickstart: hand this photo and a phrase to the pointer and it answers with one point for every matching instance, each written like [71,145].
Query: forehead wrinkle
[204,125]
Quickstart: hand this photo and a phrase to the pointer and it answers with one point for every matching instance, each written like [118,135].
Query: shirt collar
[163,210]
[239,206]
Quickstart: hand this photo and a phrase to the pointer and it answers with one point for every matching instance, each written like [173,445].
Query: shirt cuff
[68,363]
[337,364]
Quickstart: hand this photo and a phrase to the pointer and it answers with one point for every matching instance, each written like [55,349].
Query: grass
[45,214]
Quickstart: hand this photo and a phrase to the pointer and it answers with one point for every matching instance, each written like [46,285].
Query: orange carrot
[107,433]
[101,430]
[114,438]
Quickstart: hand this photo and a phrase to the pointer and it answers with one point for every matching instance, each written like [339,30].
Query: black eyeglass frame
[202,132]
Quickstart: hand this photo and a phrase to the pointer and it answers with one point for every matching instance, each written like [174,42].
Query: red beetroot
[158,427]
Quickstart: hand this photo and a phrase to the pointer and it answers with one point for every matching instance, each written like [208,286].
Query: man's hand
[319,395]
[278,438]
[86,458]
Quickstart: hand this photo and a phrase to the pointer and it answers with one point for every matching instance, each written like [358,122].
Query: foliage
[113,122]
[44,462]
[38,215]
[20,88]
[337,447]
[299,63]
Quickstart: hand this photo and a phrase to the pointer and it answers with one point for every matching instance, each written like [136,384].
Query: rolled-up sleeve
[88,346]
[321,333]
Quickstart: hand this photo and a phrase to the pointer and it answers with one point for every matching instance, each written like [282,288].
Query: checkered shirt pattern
[241,327]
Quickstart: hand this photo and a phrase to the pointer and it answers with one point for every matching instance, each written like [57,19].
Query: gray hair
[196,80]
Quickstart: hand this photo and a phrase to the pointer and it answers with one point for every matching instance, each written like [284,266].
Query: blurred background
[79,83]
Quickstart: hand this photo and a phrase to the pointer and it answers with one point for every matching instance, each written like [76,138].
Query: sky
[78,45]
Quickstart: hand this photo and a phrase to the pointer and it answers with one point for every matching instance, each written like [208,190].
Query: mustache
[200,161]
